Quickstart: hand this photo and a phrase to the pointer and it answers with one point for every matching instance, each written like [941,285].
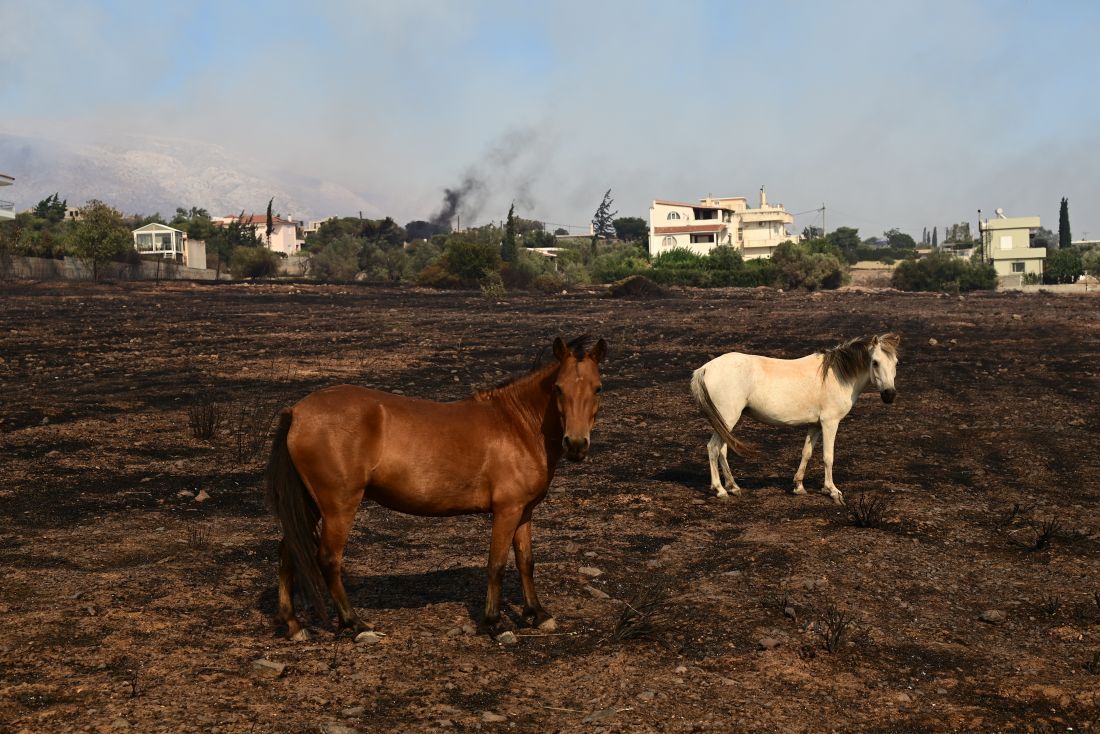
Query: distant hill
[146,174]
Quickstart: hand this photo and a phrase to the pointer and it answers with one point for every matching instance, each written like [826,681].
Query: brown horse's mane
[509,393]
[852,358]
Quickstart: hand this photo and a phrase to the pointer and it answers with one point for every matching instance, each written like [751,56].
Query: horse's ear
[560,350]
[599,351]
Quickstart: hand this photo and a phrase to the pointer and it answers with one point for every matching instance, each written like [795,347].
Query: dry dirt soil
[138,562]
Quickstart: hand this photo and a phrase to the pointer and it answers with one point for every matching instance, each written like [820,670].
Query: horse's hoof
[798,490]
[722,496]
[838,499]
[547,625]
[300,636]
[720,493]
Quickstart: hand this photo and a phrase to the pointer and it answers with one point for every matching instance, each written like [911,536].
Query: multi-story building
[714,222]
[285,233]
[7,208]
[1008,243]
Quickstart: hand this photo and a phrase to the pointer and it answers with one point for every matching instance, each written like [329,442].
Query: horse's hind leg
[330,557]
[286,595]
[525,562]
[716,453]
[807,451]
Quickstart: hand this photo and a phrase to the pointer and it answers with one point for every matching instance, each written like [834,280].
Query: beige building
[714,222]
[170,243]
[1008,243]
[7,208]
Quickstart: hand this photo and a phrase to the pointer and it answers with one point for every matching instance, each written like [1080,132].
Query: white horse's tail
[702,397]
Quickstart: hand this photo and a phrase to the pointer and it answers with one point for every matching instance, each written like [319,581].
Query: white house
[170,243]
[7,208]
[714,222]
[285,236]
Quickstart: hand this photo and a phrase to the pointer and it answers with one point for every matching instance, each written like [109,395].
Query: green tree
[224,241]
[338,261]
[508,243]
[270,222]
[1063,266]
[1090,261]
[52,209]
[100,235]
[846,241]
[602,226]
[900,240]
[1065,239]
[631,229]
[942,271]
[935,237]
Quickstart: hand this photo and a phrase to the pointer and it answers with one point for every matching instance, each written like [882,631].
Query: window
[702,238]
[1017,267]
[1006,242]
[674,215]
[668,242]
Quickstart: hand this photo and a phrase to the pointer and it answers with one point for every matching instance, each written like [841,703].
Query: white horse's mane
[852,358]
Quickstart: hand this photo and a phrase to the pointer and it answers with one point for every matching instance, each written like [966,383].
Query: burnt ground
[127,604]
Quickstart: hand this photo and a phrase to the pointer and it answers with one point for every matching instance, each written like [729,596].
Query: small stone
[1016,317]
[507,637]
[202,496]
[591,571]
[268,668]
[492,718]
[469,629]
[992,616]
[789,612]
[596,593]
[444,723]
[652,563]
[120,724]
[933,342]
[903,698]
[680,669]
[768,643]
[647,695]
[338,729]
[367,638]
[454,632]
[597,716]
[354,711]
[732,574]
[185,493]
[590,554]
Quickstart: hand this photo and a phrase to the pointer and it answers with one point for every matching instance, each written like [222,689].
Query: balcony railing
[7,205]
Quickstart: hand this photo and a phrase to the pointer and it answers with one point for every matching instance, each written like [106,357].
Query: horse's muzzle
[888,395]
[575,449]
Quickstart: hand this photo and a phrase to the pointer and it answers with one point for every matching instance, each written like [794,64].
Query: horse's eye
[599,389]
[557,389]
[874,363]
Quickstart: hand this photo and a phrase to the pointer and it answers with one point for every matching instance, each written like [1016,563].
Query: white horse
[819,390]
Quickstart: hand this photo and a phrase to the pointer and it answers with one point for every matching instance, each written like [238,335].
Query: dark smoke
[494,173]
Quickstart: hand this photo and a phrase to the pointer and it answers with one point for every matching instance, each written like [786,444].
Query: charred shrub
[868,512]
[204,419]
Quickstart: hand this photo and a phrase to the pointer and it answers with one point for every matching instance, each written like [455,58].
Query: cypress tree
[1064,236]
[508,244]
[935,237]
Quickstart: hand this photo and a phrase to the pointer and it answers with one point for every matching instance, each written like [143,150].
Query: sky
[890,113]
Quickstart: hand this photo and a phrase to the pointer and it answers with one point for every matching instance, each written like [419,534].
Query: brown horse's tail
[706,404]
[297,513]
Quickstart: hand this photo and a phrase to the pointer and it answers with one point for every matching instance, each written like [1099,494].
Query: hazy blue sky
[906,114]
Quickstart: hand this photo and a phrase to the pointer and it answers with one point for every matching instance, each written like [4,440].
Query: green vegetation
[1063,266]
[941,271]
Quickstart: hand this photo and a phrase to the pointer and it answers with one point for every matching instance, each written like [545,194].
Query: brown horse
[495,452]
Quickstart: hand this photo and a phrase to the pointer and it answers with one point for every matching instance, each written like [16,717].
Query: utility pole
[824,231]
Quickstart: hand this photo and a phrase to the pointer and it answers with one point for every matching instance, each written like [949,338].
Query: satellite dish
[999,212]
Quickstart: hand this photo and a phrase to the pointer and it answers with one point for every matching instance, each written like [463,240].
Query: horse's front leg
[525,562]
[828,436]
[505,522]
[807,451]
